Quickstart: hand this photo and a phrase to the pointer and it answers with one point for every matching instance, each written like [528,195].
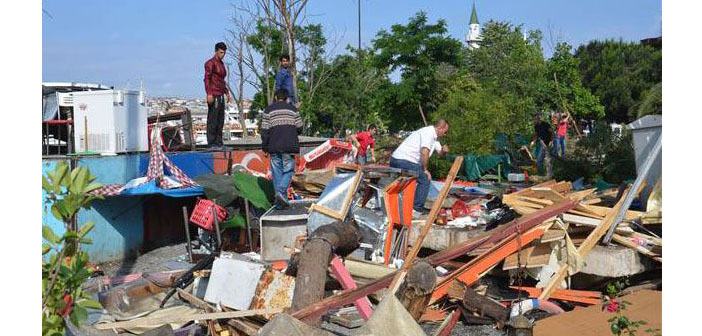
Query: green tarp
[475,166]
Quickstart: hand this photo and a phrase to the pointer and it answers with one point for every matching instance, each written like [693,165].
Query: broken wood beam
[448,324]
[484,306]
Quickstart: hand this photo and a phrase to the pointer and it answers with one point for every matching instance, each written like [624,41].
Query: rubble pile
[350,254]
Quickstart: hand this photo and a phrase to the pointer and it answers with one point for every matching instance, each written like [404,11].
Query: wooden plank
[630,214]
[533,256]
[185,318]
[448,324]
[582,194]
[628,243]
[584,248]
[433,214]
[349,197]
[535,200]
[591,222]
[592,201]
[561,187]
[329,212]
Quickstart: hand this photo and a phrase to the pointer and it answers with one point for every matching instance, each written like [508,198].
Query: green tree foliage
[619,73]
[474,114]
[67,268]
[570,92]
[512,68]
[415,50]
[652,102]
[349,97]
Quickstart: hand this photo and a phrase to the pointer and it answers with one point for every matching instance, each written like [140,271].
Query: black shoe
[281,202]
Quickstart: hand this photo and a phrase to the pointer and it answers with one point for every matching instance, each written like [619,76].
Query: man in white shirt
[413,154]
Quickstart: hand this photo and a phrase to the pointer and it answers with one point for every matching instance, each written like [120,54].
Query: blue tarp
[151,188]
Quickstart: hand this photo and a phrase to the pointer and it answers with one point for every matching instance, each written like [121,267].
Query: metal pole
[359,27]
[653,154]
[248,227]
[187,235]
[216,223]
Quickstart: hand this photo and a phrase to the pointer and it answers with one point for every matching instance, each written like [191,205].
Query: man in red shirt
[362,141]
[561,132]
[216,88]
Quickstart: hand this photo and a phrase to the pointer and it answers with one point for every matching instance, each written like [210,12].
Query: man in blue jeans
[280,126]
[413,154]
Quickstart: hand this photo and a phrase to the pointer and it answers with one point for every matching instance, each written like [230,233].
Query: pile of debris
[354,257]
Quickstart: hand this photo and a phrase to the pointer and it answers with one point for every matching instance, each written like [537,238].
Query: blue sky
[165,43]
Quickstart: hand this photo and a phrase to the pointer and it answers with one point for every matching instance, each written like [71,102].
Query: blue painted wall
[119,221]
[194,164]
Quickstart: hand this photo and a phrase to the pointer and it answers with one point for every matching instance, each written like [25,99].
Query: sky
[164,43]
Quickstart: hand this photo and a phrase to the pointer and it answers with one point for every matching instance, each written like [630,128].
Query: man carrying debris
[542,138]
[284,80]
[280,127]
[413,154]
[216,88]
[362,141]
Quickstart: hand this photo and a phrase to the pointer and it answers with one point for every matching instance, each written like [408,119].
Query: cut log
[415,292]
[343,238]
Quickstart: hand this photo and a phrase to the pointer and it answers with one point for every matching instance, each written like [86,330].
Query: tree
[619,73]
[285,14]
[348,99]
[509,64]
[569,91]
[415,50]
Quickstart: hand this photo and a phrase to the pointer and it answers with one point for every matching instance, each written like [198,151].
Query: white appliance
[116,121]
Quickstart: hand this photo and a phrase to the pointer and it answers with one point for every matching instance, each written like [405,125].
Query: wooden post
[427,224]
[484,306]
[314,260]
[415,292]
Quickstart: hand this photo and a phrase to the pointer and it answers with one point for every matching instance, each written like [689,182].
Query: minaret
[473,36]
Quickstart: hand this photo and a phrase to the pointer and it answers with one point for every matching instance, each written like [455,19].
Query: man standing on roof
[284,80]
[280,126]
[216,88]
[561,132]
[413,154]
[362,141]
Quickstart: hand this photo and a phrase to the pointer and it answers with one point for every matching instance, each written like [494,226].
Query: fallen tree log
[415,291]
[340,237]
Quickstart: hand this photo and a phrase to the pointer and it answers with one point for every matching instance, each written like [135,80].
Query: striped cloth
[157,159]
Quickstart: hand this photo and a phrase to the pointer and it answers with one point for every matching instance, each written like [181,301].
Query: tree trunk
[314,260]
[415,292]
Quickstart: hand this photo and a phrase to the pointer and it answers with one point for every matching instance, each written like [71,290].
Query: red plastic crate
[202,214]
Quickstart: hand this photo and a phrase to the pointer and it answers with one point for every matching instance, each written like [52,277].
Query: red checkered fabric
[155,171]
[108,190]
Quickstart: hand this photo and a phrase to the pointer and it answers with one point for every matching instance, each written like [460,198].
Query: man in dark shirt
[542,137]
[216,88]
[284,79]
[280,126]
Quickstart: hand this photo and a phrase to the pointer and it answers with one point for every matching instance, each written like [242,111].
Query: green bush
[602,154]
